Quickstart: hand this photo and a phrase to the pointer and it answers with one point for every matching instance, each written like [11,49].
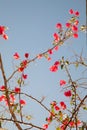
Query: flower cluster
[12,96]
[23,63]
[55,66]
[71,29]
[55,111]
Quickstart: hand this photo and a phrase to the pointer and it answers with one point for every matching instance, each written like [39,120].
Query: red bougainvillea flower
[5,36]
[57,63]
[77,13]
[22,102]
[53,68]
[62,105]
[17,90]
[75,35]
[2,29]
[2,88]
[26,55]
[62,82]
[24,76]
[2,32]
[68,25]
[56,37]
[57,108]
[20,69]
[16,56]
[45,126]
[2,98]
[50,51]
[24,63]
[74,28]
[68,93]
[71,11]
[59,25]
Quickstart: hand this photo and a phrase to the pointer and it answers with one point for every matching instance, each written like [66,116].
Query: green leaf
[77,64]
[28,117]
[81,128]
[62,66]
[18,110]
[46,55]
[58,128]
[85,108]
[67,62]
[83,28]
[72,20]
[52,110]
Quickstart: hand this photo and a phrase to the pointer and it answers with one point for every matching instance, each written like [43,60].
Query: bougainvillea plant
[13,101]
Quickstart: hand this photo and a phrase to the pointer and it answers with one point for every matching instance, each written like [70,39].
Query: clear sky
[31,26]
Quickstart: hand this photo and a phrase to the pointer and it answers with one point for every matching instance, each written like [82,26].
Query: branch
[76,111]
[7,94]
[21,122]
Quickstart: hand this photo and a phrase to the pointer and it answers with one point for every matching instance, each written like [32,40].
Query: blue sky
[31,26]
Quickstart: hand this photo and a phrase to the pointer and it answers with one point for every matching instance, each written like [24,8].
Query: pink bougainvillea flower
[56,48]
[39,56]
[62,105]
[53,68]
[49,119]
[26,55]
[59,25]
[24,76]
[62,82]
[45,126]
[74,28]
[75,35]
[54,103]
[17,90]
[5,36]
[2,88]
[71,11]
[68,93]
[77,13]
[16,56]
[12,97]
[49,58]
[76,22]
[56,37]
[79,123]
[22,102]
[62,127]
[68,25]
[72,124]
